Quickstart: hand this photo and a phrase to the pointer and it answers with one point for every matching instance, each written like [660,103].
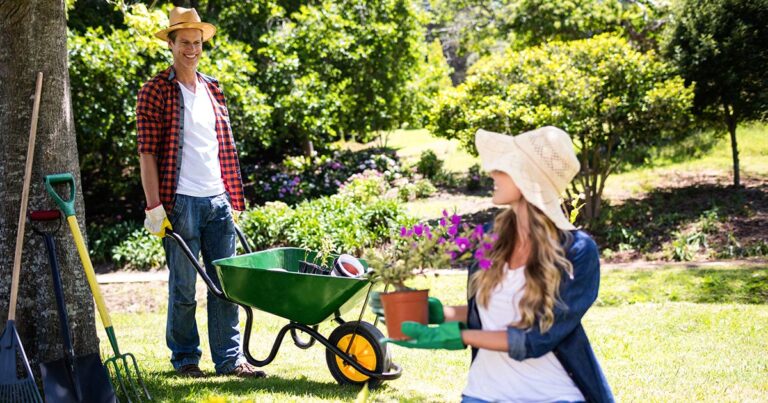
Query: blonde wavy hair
[543,269]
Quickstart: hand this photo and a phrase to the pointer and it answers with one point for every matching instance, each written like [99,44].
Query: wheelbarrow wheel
[365,349]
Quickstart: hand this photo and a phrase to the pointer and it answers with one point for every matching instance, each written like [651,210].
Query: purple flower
[440,241]
[453,230]
[484,264]
[462,243]
[455,219]
[403,231]
[442,221]
[427,232]
[418,229]
[445,213]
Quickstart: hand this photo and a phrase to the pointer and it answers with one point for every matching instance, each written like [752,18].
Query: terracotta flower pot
[401,306]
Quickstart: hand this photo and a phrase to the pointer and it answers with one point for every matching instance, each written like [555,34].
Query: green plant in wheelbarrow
[449,243]
[271,281]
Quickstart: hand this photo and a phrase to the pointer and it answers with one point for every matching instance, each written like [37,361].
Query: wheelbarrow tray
[270,281]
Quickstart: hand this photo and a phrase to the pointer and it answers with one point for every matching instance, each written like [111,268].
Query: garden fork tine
[68,208]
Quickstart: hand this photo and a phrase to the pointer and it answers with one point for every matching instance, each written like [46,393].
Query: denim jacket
[566,338]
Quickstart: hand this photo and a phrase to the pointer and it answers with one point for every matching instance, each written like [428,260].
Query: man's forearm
[150,179]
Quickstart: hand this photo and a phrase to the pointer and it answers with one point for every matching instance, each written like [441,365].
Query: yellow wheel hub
[362,351]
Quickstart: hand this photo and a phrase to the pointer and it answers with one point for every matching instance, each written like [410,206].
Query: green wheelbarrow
[272,281]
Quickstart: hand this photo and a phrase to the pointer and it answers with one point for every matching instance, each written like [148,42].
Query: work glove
[445,336]
[436,315]
[156,221]
[236,216]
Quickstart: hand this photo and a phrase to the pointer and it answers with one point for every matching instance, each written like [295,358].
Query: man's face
[187,48]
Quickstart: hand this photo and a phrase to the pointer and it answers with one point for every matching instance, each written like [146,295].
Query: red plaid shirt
[159,117]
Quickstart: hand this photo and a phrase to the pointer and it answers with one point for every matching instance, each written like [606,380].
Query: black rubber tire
[371,335]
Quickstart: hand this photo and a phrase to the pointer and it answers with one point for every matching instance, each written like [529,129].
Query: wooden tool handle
[24,198]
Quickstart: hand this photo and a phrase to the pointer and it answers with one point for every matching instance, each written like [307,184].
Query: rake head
[13,362]
[124,369]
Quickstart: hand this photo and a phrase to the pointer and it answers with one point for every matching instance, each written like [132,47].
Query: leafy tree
[338,68]
[33,37]
[722,46]
[469,27]
[431,75]
[615,102]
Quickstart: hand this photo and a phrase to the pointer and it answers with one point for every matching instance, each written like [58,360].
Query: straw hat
[186,18]
[541,162]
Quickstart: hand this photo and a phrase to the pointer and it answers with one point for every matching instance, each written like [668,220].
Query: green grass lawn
[659,335]
[753,160]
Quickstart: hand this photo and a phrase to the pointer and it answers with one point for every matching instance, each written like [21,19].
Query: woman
[523,317]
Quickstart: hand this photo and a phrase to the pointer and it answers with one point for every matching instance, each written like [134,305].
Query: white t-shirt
[200,174]
[496,377]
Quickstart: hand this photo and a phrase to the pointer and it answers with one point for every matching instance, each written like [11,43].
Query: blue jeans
[205,224]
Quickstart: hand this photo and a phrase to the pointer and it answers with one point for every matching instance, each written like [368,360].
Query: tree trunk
[730,122]
[33,37]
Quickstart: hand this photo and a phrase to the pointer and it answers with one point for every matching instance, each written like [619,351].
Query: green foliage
[482,27]
[139,251]
[721,46]
[338,68]
[431,75]
[365,187]
[347,225]
[429,164]
[103,238]
[615,102]
[418,189]
[300,178]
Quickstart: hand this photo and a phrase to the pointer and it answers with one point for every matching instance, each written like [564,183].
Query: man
[189,169]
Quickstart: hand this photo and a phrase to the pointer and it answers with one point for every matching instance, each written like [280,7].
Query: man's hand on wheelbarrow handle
[436,315]
[156,221]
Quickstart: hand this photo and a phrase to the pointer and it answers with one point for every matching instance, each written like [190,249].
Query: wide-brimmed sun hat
[541,162]
[186,18]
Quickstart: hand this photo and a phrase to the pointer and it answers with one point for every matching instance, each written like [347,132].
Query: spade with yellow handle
[123,367]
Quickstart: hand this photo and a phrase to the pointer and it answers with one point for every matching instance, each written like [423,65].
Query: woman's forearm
[486,339]
[455,313]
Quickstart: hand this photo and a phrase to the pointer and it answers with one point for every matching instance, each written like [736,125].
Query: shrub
[344,223]
[429,164]
[102,238]
[300,178]
[140,251]
[365,187]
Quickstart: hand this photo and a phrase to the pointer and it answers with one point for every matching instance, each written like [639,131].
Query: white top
[496,377]
[200,174]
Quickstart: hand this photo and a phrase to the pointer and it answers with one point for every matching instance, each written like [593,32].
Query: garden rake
[123,366]
[13,388]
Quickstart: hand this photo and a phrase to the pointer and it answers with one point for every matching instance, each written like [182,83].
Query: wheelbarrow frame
[292,326]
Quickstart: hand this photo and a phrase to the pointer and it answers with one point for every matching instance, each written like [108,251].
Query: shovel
[122,366]
[12,356]
[69,379]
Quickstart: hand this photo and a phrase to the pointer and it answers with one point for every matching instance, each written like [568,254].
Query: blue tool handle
[58,291]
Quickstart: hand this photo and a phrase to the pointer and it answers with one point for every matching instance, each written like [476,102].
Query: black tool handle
[58,290]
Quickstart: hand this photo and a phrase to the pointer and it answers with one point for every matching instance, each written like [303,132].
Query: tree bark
[33,37]
[731,122]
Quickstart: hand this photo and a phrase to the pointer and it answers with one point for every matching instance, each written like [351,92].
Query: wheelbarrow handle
[67,206]
[185,248]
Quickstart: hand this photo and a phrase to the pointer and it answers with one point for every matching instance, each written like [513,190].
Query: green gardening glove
[444,336]
[436,315]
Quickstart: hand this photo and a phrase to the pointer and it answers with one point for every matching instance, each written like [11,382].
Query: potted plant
[415,250]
